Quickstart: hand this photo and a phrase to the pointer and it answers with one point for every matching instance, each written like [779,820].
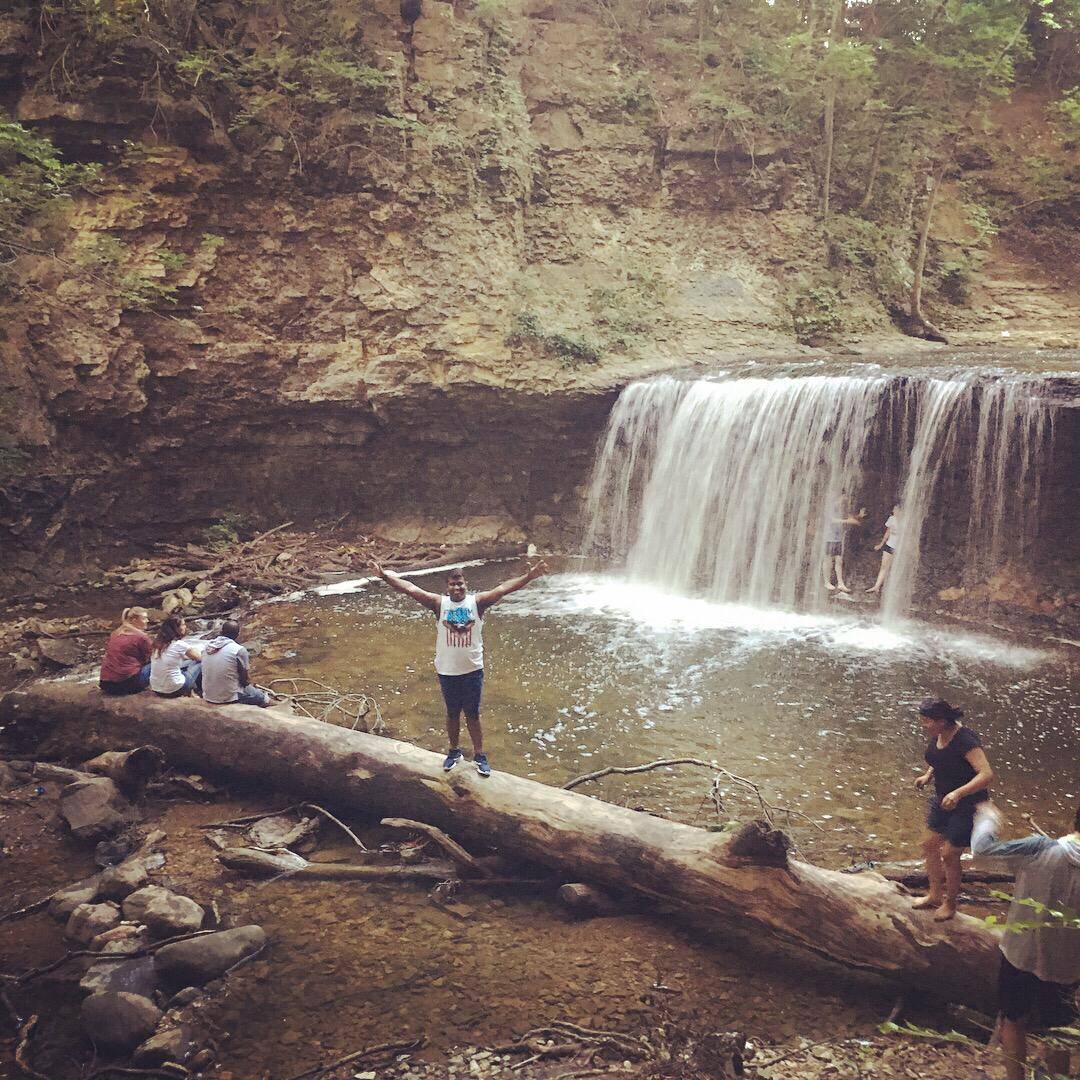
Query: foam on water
[649,610]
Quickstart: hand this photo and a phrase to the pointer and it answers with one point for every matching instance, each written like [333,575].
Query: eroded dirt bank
[435,310]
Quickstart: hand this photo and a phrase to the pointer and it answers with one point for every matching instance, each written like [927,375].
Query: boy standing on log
[1040,964]
[459,650]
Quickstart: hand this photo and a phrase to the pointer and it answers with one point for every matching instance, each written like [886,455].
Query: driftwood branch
[451,847]
[22,1049]
[264,863]
[719,775]
[382,1050]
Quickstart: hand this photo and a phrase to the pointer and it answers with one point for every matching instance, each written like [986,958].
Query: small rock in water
[118,882]
[135,976]
[173,1044]
[171,914]
[89,920]
[64,901]
[119,1021]
[195,962]
[136,904]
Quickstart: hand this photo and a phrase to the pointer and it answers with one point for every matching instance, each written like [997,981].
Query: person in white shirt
[888,546]
[226,671]
[174,664]
[459,650]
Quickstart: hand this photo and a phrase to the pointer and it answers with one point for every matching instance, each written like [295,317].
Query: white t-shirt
[893,525]
[459,639]
[165,674]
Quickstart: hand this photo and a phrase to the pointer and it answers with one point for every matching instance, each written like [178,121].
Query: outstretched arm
[484,600]
[430,600]
[1008,854]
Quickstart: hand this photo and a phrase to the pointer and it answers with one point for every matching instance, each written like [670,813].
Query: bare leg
[453,729]
[1014,1047]
[932,849]
[828,573]
[883,573]
[477,736]
[950,856]
[840,574]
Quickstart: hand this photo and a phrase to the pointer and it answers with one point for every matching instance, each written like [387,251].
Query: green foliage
[33,177]
[569,349]
[110,260]
[227,530]
[954,280]
[625,312]
[817,314]
[1066,113]
[270,75]
[1047,916]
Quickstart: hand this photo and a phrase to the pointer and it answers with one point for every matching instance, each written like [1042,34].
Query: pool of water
[585,670]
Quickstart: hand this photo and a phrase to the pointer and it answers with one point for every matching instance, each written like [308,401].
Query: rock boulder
[64,901]
[89,920]
[136,976]
[136,903]
[94,808]
[117,882]
[168,914]
[119,1021]
[195,962]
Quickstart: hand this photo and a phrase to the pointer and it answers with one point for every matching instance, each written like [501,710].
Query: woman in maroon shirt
[126,669]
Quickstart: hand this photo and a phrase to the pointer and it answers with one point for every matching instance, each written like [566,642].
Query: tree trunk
[836,35]
[875,165]
[920,254]
[861,921]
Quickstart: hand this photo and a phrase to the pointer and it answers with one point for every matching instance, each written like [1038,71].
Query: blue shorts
[954,825]
[462,692]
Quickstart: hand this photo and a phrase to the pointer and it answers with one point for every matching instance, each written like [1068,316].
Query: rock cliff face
[436,324]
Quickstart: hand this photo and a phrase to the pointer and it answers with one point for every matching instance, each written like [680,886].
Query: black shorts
[954,825]
[834,547]
[1022,995]
[888,550]
[462,692]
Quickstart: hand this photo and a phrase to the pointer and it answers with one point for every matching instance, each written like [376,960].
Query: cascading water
[723,487]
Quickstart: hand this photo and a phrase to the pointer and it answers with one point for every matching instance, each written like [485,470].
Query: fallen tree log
[861,921]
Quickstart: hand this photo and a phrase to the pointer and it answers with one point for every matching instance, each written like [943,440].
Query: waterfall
[724,486]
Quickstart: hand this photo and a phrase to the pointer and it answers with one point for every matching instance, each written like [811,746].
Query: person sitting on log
[174,664]
[126,667]
[459,650]
[226,667]
[961,773]
[1040,952]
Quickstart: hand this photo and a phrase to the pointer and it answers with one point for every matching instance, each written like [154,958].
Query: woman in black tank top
[961,774]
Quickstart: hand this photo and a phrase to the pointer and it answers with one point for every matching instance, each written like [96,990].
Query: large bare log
[862,921]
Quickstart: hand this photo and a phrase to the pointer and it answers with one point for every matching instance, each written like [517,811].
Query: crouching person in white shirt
[226,667]
[1039,981]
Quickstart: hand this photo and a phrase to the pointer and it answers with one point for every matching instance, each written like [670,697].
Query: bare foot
[842,588]
[927,902]
[945,912]
[873,592]
[830,586]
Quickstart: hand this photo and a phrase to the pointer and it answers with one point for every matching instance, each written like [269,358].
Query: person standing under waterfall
[837,518]
[961,773]
[459,650]
[888,545]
